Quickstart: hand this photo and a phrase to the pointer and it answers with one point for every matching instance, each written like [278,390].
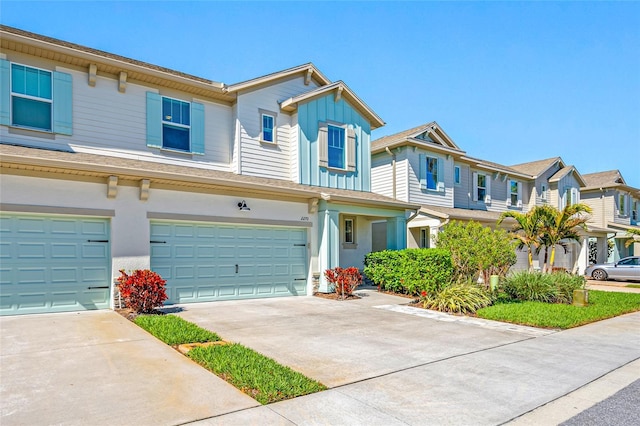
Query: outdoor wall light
[243,206]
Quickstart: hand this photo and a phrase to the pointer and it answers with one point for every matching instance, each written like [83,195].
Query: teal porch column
[396,233]
[329,250]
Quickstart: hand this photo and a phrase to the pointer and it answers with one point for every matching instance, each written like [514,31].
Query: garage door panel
[228,261]
[48,264]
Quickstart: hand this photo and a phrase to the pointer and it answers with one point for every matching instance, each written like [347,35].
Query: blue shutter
[62,103]
[154,120]
[5,91]
[197,128]
[423,171]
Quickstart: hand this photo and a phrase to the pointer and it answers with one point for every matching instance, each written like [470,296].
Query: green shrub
[536,286]
[458,298]
[410,271]
[477,250]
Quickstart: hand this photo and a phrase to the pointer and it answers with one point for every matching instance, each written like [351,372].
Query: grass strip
[602,305]
[633,285]
[253,373]
[174,330]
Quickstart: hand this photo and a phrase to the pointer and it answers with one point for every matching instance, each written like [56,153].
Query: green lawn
[174,330]
[256,375]
[602,305]
[253,373]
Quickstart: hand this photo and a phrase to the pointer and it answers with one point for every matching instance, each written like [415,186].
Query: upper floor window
[35,99]
[634,211]
[456,175]
[543,192]
[335,143]
[622,208]
[31,97]
[514,193]
[267,126]
[481,187]
[175,124]
[431,173]
[337,147]
[571,196]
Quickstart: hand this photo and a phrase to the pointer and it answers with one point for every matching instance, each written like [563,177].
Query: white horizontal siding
[428,197]
[108,122]
[382,174]
[260,159]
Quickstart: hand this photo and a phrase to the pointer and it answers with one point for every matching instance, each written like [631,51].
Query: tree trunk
[553,258]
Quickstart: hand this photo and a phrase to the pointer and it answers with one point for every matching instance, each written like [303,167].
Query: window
[634,212]
[337,147]
[424,237]
[456,175]
[481,188]
[31,97]
[335,144]
[513,192]
[175,124]
[348,231]
[621,204]
[267,126]
[543,192]
[431,173]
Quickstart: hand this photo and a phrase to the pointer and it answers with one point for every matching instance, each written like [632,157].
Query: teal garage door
[205,262]
[53,264]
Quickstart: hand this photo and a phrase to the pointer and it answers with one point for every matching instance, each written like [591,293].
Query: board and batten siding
[566,182]
[326,109]
[427,197]
[108,122]
[269,160]
[462,191]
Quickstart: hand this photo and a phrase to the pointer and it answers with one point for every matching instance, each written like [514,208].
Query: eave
[309,71]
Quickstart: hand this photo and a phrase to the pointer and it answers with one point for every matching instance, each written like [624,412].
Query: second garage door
[206,261]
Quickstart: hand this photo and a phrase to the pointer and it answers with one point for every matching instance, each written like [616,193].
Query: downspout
[393,167]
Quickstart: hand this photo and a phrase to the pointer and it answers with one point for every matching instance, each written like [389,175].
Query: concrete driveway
[98,368]
[385,365]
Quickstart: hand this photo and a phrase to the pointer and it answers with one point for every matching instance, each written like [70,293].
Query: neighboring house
[228,191]
[424,166]
[615,207]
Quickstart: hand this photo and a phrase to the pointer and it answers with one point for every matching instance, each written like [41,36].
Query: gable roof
[411,137]
[564,172]
[341,90]
[608,179]
[536,168]
[308,70]
[489,165]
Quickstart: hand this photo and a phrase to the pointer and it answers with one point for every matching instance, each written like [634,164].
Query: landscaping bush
[344,280]
[459,298]
[410,271]
[536,286]
[142,291]
[477,250]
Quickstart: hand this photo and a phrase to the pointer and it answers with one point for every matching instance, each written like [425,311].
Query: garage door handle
[157,242]
[300,245]
[91,288]
[97,241]
[299,279]
[236,268]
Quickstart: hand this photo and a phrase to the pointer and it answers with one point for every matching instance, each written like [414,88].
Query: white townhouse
[615,207]
[423,165]
[234,191]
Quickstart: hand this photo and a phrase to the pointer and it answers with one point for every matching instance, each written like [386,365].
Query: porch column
[583,257]
[602,249]
[329,250]
[396,233]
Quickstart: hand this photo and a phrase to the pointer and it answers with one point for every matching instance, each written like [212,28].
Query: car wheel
[599,275]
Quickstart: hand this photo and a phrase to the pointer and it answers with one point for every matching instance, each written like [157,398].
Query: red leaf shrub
[344,280]
[142,291]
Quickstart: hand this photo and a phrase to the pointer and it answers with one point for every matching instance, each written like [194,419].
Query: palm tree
[527,230]
[633,237]
[561,226]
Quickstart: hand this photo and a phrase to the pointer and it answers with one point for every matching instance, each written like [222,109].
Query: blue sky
[509,82]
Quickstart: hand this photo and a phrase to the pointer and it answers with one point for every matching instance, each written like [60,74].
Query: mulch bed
[336,296]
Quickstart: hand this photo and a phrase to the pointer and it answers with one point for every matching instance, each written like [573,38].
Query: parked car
[627,268]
